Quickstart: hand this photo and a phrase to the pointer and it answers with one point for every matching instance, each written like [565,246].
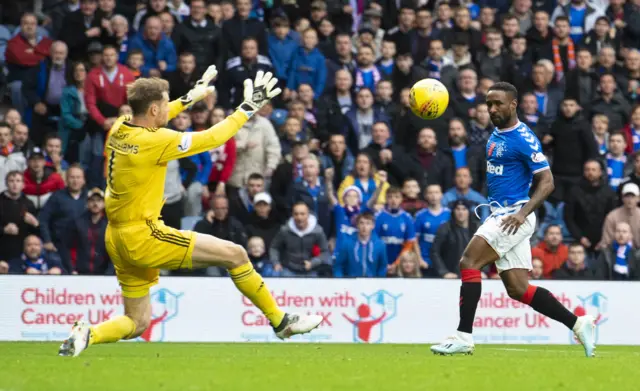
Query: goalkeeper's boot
[78,340]
[585,331]
[293,324]
[460,343]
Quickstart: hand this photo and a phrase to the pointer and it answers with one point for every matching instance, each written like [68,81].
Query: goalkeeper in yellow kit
[138,148]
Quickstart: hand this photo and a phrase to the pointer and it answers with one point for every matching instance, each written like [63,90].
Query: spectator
[53,154]
[180,174]
[198,188]
[575,267]
[307,65]
[258,150]
[363,254]
[158,50]
[118,36]
[24,51]
[412,201]
[602,35]
[409,266]
[580,16]
[616,159]
[395,227]
[437,165]
[406,73]
[10,158]
[463,29]
[153,8]
[572,145]
[480,127]
[632,131]
[521,9]
[41,181]
[94,51]
[634,177]
[73,111]
[241,26]
[35,260]
[86,236]
[336,102]
[464,155]
[283,43]
[401,34]
[536,268]
[223,161]
[224,226]
[531,116]
[59,12]
[135,62]
[463,191]
[451,239]
[384,99]
[465,98]
[540,35]
[582,81]
[427,222]
[365,178]
[311,190]
[42,90]
[242,67]
[60,212]
[492,61]
[339,158]
[257,252]
[180,7]
[588,204]
[548,97]
[262,221]
[551,250]
[17,216]
[300,248]
[184,78]
[200,36]
[360,121]
[620,260]
[630,77]
[80,28]
[600,127]
[13,117]
[607,62]
[105,90]
[610,102]
[628,213]
[242,200]
[386,62]
[21,142]
[289,169]
[518,64]
[342,59]
[387,155]
[367,75]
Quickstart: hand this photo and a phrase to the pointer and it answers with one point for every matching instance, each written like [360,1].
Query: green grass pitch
[305,367]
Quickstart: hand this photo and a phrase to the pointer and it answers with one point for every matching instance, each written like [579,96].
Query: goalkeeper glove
[201,89]
[257,93]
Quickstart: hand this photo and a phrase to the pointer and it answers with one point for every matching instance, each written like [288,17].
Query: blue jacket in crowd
[308,68]
[71,119]
[163,51]
[202,161]
[357,259]
[281,52]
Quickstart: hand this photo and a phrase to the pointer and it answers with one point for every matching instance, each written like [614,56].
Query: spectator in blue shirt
[159,51]
[395,227]
[361,255]
[616,159]
[367,74]
[427,222]
[35,260]
[307,66]
[463,191]
[283,43]
[198,189]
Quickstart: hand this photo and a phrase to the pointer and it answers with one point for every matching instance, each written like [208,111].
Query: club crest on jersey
[500,149]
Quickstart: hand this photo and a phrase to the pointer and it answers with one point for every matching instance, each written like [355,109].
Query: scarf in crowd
[352,212]
[360,79]
[39,264]
[557,59]
[635,137]
[7,150]
[434,68]
[621,266]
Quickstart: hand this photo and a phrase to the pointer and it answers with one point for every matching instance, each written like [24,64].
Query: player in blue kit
[427,222]
[395,226]
[514,160]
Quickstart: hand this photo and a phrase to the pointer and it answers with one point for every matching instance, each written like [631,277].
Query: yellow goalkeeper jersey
[137,157]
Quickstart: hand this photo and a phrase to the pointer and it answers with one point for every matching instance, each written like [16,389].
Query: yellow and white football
[428,98]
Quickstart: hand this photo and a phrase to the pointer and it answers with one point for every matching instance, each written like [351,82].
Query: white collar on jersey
[514,127]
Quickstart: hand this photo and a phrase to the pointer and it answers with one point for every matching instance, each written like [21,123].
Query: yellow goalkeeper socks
[115,329]
[251,284]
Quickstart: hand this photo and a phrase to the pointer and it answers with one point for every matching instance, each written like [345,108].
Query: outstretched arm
[196,94]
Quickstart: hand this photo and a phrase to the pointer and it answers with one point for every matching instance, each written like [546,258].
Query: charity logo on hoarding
[595,304]
[164,307]
[372,315]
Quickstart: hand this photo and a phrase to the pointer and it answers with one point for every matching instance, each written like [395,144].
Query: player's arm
[543,182]
[196,94]
[176,145]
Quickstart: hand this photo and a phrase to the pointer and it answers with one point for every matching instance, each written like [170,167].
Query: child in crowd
[386,62]
[409,265]
[291,133]
[411,201]
[395,227]
[427,222]
[135,61]
[259,258]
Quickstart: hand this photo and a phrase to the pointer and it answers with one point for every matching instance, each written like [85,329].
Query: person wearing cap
[86,237]
[40,181]
[634,176]
[80,28]
[263,221]
[451,239]
[628,213]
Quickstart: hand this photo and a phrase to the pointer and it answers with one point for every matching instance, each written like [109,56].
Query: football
[428,98]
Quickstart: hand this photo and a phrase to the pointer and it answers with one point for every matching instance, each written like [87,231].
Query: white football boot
[460,343]
[585,331]
[293,324]
[77,341]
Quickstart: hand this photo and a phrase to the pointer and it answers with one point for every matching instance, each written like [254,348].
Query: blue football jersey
[394,229]
[426,226]
[615,170]
[514,155]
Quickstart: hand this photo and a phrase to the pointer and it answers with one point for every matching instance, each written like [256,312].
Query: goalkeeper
[138,148]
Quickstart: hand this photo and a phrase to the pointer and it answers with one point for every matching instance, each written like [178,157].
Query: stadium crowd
[335,178]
